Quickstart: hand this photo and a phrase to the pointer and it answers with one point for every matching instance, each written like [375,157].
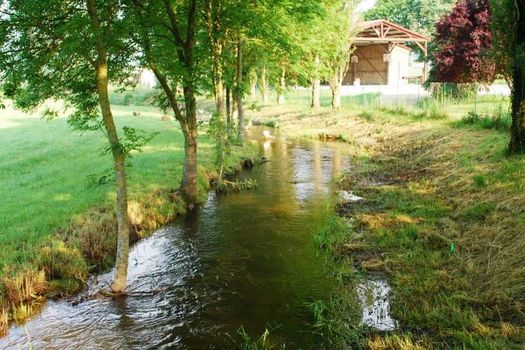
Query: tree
[70,51]
[509,31]
[166,26]
[464,39]
[340,27]
[517,139]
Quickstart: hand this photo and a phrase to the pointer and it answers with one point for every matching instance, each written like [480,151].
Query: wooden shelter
[381,55]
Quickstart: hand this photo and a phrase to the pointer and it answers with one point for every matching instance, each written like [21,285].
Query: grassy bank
[56,225]
[443,216]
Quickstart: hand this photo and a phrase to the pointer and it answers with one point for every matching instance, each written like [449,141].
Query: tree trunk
[316,86]
[228,107]
[335,86]
[316,93]
[264,85]
[282,87]
[253,84]
[517,130]
[219,96]
[240,110]
[253,90]
[336,97]
[189,129]
[119,157]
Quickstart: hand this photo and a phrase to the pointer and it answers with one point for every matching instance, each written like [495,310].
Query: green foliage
[140,96]
[417,15]
[222,141]
[135,140]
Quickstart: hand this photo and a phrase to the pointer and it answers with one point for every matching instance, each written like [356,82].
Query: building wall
[371,68]
[399,63]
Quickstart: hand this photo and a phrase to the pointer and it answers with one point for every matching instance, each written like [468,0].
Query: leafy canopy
[464,39]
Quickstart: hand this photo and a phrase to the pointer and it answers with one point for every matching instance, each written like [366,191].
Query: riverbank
[58,226]
[442,217]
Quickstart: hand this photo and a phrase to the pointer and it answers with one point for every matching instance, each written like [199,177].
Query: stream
[245,259]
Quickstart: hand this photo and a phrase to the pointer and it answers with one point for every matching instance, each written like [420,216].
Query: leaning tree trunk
[517,130]
[282,87]
[264,85]
[123,231]
[316,86]
[240,110]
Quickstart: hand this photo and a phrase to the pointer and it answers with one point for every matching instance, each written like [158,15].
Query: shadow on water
[246,259]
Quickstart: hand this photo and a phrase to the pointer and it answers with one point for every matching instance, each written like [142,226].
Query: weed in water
[262,342]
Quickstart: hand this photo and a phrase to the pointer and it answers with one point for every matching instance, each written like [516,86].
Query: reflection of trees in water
[318,167]
[337,162]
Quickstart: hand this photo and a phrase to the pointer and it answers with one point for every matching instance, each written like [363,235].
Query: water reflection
[374,297]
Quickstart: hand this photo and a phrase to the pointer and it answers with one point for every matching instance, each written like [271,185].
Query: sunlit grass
[44,167]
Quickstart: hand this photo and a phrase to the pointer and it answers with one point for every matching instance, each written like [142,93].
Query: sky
[366,4]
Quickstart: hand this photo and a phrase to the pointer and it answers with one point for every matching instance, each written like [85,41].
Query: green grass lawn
[44,166]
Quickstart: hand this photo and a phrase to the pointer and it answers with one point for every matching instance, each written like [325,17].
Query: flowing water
[246,259]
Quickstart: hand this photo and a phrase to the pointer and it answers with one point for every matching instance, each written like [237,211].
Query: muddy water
[247,259]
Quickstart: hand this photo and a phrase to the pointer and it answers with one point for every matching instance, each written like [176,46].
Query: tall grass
[499,120]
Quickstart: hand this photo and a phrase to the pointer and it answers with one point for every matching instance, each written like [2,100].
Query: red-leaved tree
[463,39]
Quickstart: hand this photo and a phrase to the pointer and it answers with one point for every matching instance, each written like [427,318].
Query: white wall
[398,67]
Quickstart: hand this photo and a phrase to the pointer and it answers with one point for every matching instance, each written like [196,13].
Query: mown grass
[55,227]
[442,218]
